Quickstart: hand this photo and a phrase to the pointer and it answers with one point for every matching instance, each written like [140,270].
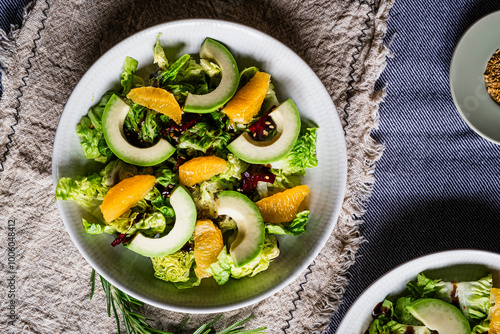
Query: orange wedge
[495,312]
[246,103]
[207,246]
[201,169]
[282,207]
[157,99]
[125,195]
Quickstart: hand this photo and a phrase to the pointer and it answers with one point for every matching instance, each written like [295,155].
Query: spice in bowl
[492,77]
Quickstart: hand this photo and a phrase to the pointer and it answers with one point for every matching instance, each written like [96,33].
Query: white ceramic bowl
[467,85]
[455,265]
[293,79]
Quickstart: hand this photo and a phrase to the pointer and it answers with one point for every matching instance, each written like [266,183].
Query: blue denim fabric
[11,12]
[438,183]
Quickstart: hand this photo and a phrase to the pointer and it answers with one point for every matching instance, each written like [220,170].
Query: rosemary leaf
[136,323]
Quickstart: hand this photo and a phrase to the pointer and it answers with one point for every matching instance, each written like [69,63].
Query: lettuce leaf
[474,297]
[118,170]
[235,167]
[166,176]
[143,124]
[97,228]
[129,79]
[302,156]
[402,314]
[482,328]
[159,54]
[202,137]
[89,129]
[87,191]
[225,268]
[174,267]
[295,227]
[184,76]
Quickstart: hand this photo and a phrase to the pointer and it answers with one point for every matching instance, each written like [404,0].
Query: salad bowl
[293,79]
[454,265]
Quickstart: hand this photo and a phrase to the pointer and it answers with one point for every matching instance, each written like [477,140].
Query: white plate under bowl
[467,85]
[293,79]
[455,265]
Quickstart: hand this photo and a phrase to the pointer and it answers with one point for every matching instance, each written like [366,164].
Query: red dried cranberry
[264,127]
[254,174]
[120,239]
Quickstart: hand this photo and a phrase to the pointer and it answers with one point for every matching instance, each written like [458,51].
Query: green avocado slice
[185,222]
[440,316]
[114,115]
[207,103]
[251,232]
[287,120]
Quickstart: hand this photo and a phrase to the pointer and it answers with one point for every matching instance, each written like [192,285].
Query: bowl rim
[469,253]
[222,24]
[452,83]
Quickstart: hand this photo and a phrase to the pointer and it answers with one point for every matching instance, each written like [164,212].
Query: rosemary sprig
[136,323]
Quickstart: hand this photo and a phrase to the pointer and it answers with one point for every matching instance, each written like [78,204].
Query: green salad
[201,166]
[431,306]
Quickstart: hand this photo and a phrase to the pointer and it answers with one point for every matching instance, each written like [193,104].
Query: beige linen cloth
[341,40]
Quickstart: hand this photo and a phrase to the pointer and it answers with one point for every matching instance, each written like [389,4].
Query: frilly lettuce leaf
[144,124]
[87,191]
[235,167]
[118,170]
[295,227]
[184,76]
[402,314]
[302,156]
[97,228]
[224,267]
[174,267]
[166,176]
[474,297]
[129,79]
[397,328]
[202,137]
[482,328]
[132,222]
[159,54]
[89,129]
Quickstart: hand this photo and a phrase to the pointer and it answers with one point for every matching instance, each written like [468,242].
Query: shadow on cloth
[435,219]
[124,21]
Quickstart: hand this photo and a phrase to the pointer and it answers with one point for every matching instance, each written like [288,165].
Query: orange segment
[125,195]
[207,246]
[282,207]
[495,312]
[157,99]
[246,103]
[201,169]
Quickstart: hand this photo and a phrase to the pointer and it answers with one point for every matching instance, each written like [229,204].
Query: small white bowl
[455,265]
[293,79]
[467,85]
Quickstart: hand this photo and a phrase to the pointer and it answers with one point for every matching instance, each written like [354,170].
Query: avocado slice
[439,316]
[113,118]
[207,103]
[287,120]
[251,232]
[185,221]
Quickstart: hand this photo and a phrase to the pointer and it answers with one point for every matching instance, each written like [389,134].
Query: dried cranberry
[180,161]
[264,127]
[120,239]
[254,174]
